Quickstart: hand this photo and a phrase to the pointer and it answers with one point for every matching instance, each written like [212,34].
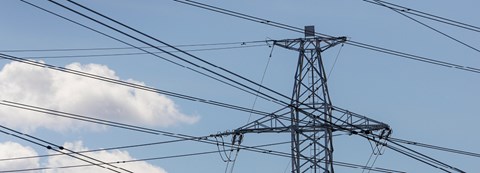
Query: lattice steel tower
[311,119]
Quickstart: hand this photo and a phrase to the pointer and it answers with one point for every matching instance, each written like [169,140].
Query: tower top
[310,31]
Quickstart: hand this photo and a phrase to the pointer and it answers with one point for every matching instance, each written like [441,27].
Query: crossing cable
[134,53]
[137,53]
[282,102]
[421,23]
[414,154]
[317,33]
[338,163]
[203,139]
[158,132]
[419,144]
[242,43]
[142,49]
[146,35]
[343,164]
[428,158]
[96,150]
[177,49]
[48,145]
[135,160]
[132,85]
[141,87]
[429,16]
[410,153]
[348,42]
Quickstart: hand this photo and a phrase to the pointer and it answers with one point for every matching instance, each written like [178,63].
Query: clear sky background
[421,102]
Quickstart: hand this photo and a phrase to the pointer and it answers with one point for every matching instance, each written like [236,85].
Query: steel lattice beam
[311,119]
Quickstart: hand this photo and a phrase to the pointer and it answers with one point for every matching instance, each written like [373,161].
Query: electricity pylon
[311,119]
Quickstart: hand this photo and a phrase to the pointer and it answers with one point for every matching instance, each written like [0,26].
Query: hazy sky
[421,102]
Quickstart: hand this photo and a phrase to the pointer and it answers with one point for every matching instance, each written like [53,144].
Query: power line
[132,85]
[238,43]
[102,149]
[263,96]
[426,158]
[90,18]
[86,118]
[349,42]
[377,2]
[419,144]
[138,53]
[344,164]
[338,163]
[51,146]
[429,16]
[173,55]
[151,131]
[200,139]
[197,58]
[413,154]
[137,160]
[146,51]
[126,126]
[204,139]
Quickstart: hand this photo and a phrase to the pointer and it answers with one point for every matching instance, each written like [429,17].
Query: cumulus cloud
[11,150]
[105,156]
[75,94]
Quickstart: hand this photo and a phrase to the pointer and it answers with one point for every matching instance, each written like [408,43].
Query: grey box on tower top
[309,31]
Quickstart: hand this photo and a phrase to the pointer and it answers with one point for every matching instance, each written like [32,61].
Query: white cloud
[74,94]
[11,150]
[105,156]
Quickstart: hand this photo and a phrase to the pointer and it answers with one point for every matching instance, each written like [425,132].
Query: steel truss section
[311,119]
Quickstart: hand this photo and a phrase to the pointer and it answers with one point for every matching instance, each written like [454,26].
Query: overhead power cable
[337,163]
[96,150]
[232,44]
[413,154]
[233,74]
[349,42]
[203,139]
[424,158]
[86,118]
[130,28]
[71,1]
[419,144]
[151,130]
[285,103]
[124,126]
[380,3]
[137,53]
[132,85]
[146,51]
[59,149]
[429,16]
[190,55]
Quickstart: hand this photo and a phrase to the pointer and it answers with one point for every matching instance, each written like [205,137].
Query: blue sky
[421,102]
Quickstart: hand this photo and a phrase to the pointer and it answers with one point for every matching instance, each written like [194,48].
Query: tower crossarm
[294,44]
[343,121]
[352,122]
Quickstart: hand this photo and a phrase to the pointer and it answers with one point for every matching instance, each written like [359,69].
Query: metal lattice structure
[311,119]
